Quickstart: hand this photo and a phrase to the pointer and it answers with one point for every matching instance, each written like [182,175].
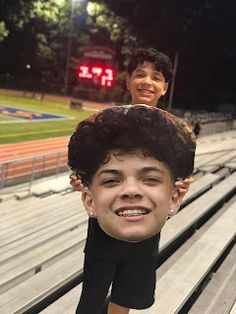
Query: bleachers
[42,239]
[175,227]
[184,277]
[218,296]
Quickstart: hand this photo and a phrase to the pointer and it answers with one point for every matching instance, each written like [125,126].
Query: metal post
[173,81]
[69,48]
[58,164]
[32,176]
[3,175]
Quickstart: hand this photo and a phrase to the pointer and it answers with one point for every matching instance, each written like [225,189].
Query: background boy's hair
[161,62]
[127,128]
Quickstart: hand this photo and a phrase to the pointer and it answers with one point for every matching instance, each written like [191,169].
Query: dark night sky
[202,32]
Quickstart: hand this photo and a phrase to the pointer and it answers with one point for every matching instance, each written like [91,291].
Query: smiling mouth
[131,212]
[145,91]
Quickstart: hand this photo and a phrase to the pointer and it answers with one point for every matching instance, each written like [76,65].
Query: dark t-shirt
[101,245]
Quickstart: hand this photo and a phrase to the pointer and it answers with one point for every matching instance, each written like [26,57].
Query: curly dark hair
[161,62]
[127,128]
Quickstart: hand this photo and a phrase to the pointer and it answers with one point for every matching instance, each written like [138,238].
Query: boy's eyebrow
[109,171]
[149,169]
[141,170]
[154,72]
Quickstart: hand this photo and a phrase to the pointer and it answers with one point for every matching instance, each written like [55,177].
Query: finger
[183,191]
[178,183]
[189,180]
[72,176]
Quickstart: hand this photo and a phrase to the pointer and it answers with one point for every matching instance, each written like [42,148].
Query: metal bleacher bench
[39,259]
[67,303]
[233,310]
[181,280]
[211,162]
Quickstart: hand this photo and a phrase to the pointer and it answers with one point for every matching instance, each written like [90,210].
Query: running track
[32,148]
[40,147]
[22,170]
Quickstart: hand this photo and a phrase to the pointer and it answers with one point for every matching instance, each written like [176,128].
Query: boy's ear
[165,88]
[88,202]
[128,82]
[176,200]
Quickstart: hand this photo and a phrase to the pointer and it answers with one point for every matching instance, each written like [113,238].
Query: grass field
[13,130]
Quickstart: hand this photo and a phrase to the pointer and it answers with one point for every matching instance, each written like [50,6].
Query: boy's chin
[132,238]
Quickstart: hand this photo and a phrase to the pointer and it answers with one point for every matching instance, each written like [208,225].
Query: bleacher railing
[28,169]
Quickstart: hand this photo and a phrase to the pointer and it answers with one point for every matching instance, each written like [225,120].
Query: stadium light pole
[68,56]
[173,82]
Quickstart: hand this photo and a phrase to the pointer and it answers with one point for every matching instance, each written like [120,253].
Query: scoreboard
[95,68]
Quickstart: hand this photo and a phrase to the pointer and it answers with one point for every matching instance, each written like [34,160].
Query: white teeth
[131,212]
[145,91]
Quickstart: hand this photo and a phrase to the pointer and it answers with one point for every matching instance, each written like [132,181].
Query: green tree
[3,31]
[36,47]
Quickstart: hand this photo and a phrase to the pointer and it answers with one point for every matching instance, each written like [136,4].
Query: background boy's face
[146,84]
[131,196]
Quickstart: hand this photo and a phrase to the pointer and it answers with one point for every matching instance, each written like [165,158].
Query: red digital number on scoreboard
[103,75]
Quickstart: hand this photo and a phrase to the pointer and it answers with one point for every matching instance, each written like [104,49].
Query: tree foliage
[38,33]
[34,37]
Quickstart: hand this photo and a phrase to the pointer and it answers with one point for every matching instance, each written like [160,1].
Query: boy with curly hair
[128,159]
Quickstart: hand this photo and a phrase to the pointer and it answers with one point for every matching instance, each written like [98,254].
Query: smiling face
[146,85]
[131,196]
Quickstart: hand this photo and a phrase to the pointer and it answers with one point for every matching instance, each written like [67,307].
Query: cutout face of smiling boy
[131,196]
[128,158]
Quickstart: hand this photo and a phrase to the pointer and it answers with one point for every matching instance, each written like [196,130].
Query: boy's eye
[157,78]
[110,182]
[139,75]
[152,180]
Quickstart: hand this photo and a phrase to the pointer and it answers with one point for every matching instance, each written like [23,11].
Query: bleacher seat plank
[66,304]
[190,214]
[24,266]
[22,296]
[220,292]
[40,213]
[37,221]
[17,207]
[176,286]
[215,164]
[223,172]
[233,310]
[206,158]
[200,185]
[32,225]
[21,246]
[231,164]
[55,184]
[207,145]
[20,208]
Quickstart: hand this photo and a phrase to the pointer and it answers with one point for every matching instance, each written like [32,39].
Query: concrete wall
[215,127]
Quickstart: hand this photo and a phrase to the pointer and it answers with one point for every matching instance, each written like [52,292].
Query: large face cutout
[131,196]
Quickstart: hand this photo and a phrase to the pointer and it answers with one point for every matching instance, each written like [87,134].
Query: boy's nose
[131,191]
[147,80]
